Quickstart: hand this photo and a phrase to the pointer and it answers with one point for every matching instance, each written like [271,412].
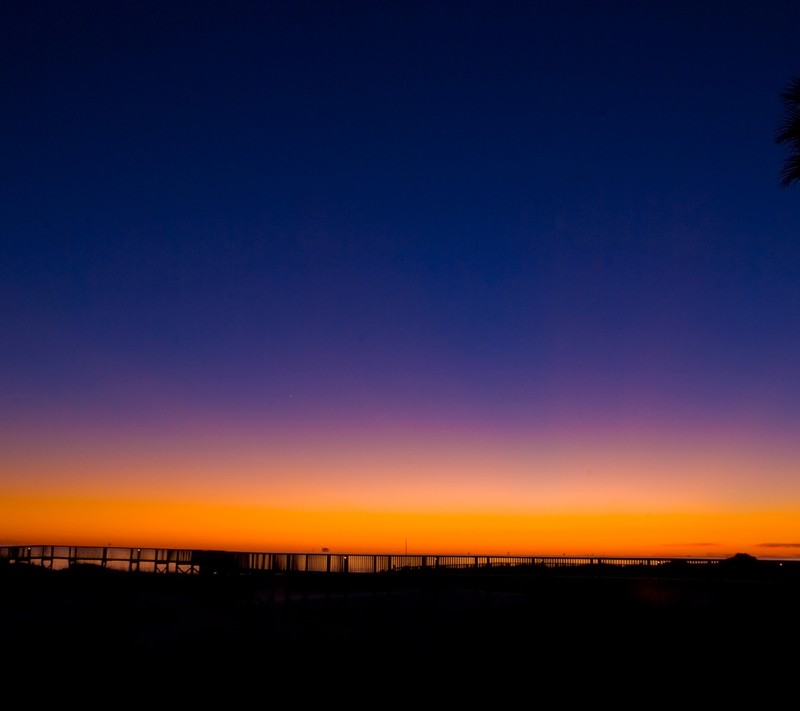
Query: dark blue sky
[495,212]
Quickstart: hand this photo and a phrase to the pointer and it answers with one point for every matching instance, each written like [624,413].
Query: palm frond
[789,127]
[791,94]
[791,171]
[788,132]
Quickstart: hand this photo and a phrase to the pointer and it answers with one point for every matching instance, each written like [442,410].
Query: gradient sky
[436,277]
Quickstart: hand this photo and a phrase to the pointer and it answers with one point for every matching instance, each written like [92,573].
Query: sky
[386,277]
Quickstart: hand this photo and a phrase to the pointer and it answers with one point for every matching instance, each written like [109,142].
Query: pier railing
[188,561]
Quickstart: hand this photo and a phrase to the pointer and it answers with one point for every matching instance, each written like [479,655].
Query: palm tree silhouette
[789,132]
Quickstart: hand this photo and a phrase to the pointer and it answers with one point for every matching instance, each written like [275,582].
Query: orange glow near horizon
[248,528]
[626,497]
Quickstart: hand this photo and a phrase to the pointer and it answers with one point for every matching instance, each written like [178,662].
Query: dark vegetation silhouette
[788,132]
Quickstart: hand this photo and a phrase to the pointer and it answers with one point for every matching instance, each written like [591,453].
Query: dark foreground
[458,629]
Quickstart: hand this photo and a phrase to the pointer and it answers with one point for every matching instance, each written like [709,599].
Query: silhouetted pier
[222,562]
